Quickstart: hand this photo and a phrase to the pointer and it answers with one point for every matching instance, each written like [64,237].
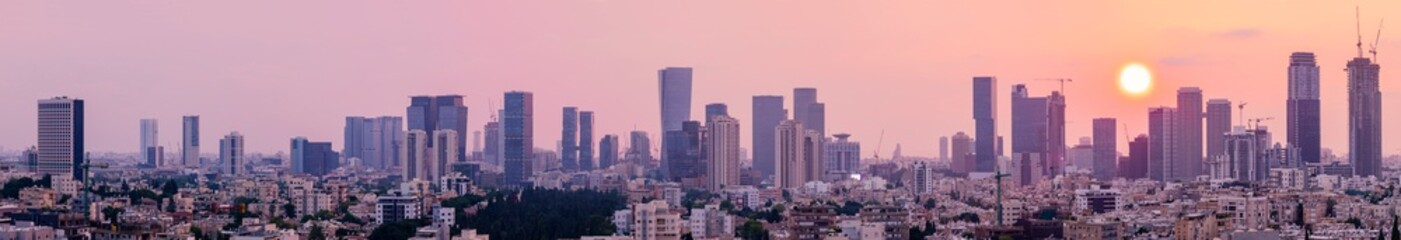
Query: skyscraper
[1030,129]
[961,153]
[716,109]
[231,159]
[1106,154]
[814,164]
[1055,134]
[1364,116]
[431,113]
[674,86]
[985,116]
[316,158]
[189,142]
[586,140]
[1218,124]
[768,112]
[61,134]
[151,151]
[415,154]
[443,154]
[607,151]
[517,134]
[722,149]
[491,149]
[843,157]
[808,111]
[1304,127]
[639,147]
[1243,156]
[684,157]
[1163,164]
[1135,165]
[944,148]
[373,140]
[568,140]
[1189,127]
[788,138]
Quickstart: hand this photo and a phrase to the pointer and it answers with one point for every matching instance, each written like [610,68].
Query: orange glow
[1135,80]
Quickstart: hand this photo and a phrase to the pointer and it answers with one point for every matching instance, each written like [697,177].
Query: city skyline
[233,92]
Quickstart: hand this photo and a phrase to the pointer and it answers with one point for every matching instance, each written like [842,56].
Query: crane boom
[1377,41]
[879,143]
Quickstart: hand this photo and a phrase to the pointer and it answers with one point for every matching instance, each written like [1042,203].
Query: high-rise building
[586,140]
[716,109]
[1106,154]
[415,154]
[1364,116]
[151,151]
[1243,156]
[517,137]
[1218,124]
[768,112]
[1030,130]
[817,118]
[639,147]
[843,157]
[1055,134]
[31,159]
[674,86]
[61,139]
[985,116]
[443,153]
[189,142]
[684,157]
[722,150]
[961,153]
[788,139]
[231,158]
[432,113]
[491,148]
[1304,127]
[1163,164]
[607,151]
[1189,128]
[807,110]
[814,164]
[944,148]
[568,140]
[1135,165]
[373,140]
[924,177]
[316,158]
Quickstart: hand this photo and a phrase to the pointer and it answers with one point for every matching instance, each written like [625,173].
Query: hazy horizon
[273,70]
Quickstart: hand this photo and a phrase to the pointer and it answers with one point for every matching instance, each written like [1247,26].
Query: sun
[1135,79]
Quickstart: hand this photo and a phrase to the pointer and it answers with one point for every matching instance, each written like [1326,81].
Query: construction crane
[879,143]
[1257,121]
[1373,49]
[1242,113]
[999,178]
[1061,80]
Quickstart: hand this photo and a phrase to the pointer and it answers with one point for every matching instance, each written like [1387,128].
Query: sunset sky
[273,70]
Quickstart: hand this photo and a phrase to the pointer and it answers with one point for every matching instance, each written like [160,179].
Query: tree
[1356,223]
[289,210]
[111,213]
[753,229]
[930,204]
[397,230]
[1047,214]
[850,208]
[316,233]
[1299,214]
[1395,230]
[170,188]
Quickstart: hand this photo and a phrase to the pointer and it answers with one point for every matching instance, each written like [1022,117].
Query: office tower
[1243,156]
[476,142]
[443,153]
[788,139]
[315,158]
[31,159]
[961,153]
[517,137]
[944,148]
[1055,134]
[808,111]
[674,85]
[843,157]
[415,154]
[189,142]
[1304,109]
[1364,116]
[61,151]
[814,163]
[1163,164]
[716,109]
[607,151]
[639,147]
[1030,129]
[568,140]
[491,149]
[1106,153]
[373,140]
[1082,155]
[1218,124]
[768,112]
[985,116]
[722,149]
[1189,128]
[586,140]
[151,151]
[432,113]
[817,118]
[684,156]
[1135,165]
[231,159]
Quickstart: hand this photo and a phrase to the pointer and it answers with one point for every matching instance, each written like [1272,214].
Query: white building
[924,177]
[395,206]
[656,221]
[711,222]
[722,149]
[231,154]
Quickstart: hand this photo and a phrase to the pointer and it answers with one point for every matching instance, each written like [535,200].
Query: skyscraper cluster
[375,141]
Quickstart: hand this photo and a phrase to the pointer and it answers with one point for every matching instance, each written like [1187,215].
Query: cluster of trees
[11,188]
[546,214]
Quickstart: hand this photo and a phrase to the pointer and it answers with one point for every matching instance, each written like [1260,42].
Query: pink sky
[277,69]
